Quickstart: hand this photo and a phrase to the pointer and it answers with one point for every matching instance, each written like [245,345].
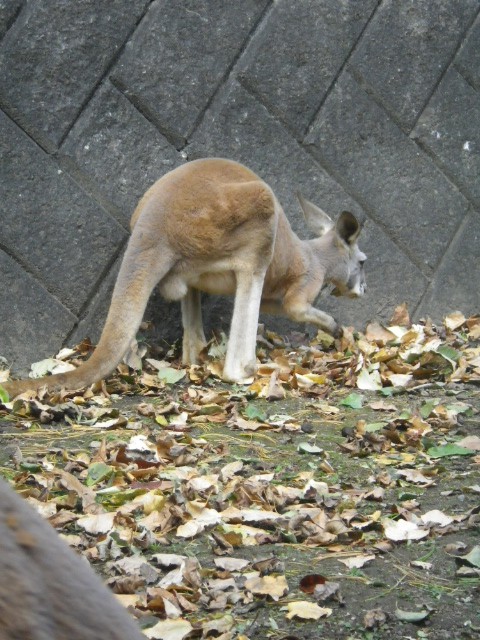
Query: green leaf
[460,407]
[375,426]
[472,558]
[112,497]
[354,401]
[97,472]
[169,375]
[427,408]
[4,397]
[306,447]
[252,412]
[449,450]
[450,354]
[412,616]
[31,467]
[387,391]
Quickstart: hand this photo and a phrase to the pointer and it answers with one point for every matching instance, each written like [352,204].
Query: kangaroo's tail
[140,271]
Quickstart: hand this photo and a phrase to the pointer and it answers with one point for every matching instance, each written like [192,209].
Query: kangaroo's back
[201,207]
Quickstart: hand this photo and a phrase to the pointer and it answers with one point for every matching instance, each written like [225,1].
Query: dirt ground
[370,599]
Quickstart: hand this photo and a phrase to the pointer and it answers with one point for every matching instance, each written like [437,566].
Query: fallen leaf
[310,581]
[446,450]
[374,619]
[274,586]
[421,565]
[168,560]
[356,562]
[415,476]
[369,381]
[169,630]
[401,316]
[412,616]
[470,442]
[306,447]
[218,627]
[400,530]
[436,517]
[306,610]
[97,523]
[472,558]
[382,405]
[231,564]
[354,401]
[49,365]
[275,390]
[327,591]
[170,375]
[454,320]
[376,333]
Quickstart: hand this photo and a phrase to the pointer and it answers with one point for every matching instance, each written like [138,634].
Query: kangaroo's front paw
[337,331]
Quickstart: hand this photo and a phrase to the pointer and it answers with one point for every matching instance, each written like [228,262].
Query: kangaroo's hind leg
[193,336]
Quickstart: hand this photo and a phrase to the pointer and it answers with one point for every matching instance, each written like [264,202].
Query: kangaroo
[214,226]
[46,590]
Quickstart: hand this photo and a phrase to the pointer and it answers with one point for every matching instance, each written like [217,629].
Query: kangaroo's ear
[317,220]
[348,227]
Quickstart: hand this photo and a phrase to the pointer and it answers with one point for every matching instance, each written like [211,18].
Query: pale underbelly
[221,284]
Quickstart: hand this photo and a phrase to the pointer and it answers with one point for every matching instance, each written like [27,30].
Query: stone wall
[372,106]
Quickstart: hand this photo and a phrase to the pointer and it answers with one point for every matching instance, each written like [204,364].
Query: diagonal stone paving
[370,106]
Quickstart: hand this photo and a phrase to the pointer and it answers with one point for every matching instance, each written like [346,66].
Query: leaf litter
[175,459]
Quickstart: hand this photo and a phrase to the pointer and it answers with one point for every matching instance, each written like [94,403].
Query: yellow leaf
[307,610]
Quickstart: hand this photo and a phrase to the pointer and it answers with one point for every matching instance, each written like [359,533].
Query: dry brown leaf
[454,320]
[401,316]
[356,562]
[378,334]
[273,586]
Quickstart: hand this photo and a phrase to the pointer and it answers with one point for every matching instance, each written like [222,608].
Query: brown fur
[212,225]
[47,592]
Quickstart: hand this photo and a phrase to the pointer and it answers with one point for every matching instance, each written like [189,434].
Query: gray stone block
[62,237]
[468,58]
[455,285]
[450,128]
[164,317]
[241,128]
[406,48]
[397,183]
[33,322]
[91,323]
[53,57]
[118,149]
[8,11]
[178,56]
[295,57]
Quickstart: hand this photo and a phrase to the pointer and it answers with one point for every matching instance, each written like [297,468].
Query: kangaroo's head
[337,249]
